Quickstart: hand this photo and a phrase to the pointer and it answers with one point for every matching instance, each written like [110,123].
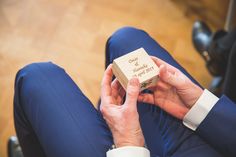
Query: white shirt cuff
[129,151]
[200,110]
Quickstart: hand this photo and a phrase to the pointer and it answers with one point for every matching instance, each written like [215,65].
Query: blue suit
[218,128]
[54,118]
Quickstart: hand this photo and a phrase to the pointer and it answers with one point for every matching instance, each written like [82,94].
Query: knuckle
[132,92]
[103,109]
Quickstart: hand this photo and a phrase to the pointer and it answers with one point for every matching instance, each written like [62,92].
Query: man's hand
[122,118]
[175,93]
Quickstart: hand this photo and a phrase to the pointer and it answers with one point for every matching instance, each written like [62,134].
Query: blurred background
[73,33]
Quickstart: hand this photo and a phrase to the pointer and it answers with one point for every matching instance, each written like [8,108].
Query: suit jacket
[219,127]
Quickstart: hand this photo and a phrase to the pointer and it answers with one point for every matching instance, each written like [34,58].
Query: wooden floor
[72,34]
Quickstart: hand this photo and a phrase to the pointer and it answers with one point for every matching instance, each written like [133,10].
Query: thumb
[132,92]
[173,77]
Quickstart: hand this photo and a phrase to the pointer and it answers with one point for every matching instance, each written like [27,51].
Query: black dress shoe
[217,54]
[14,149]
[201,37]
[207,45]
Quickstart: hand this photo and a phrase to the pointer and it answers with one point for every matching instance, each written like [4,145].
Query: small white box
[136,64]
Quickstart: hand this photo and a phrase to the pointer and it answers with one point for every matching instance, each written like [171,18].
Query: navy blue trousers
[54,118]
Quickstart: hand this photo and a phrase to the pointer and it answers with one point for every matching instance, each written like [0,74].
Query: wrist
[200,110]
[198,91]
[134,143]
[130,141]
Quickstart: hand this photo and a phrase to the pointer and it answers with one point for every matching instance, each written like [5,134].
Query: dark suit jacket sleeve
[219,127]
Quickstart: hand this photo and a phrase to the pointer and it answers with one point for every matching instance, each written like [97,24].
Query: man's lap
[157,125]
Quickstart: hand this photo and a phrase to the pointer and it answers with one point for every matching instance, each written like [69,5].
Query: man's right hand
[121,117]
[175,93]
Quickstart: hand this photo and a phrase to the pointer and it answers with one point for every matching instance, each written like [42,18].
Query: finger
[162,85]
[115,87]
[121,92]
[150,98]
[106,82]
[132,92]
[170,74]
[120,100]
[176,78]
[118,92]
[160,62]
[146,98]
[121,95]
[161,93]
